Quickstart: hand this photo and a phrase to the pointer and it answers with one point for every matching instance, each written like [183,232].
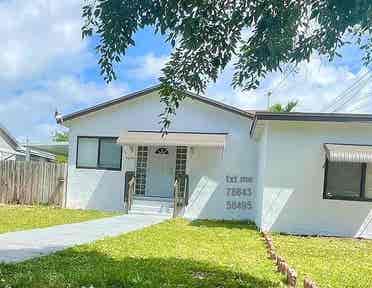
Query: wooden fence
[32,182]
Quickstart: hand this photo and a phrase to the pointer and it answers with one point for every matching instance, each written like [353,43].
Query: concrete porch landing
[152,206]
[23,245]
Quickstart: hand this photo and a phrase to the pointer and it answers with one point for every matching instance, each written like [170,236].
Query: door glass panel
[160,171]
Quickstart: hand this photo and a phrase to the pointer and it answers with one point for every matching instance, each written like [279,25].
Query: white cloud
[31,113]
[315,85]
[147,66]
[42,57]
[37,35]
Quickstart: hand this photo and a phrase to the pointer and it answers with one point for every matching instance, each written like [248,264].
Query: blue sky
[46,66]
[150,49]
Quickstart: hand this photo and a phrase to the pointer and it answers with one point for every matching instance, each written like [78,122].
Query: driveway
[23,245]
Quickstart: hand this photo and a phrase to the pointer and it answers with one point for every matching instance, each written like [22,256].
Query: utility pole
[269,100]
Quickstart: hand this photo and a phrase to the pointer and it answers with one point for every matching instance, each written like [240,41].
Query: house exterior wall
[208,168]
[5,145]
[261,166]
[292,187]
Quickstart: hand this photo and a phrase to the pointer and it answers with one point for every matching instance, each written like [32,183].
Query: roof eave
[314,117]
[103,105]
[68,117]
[220,105]
[309,117]
[9,137]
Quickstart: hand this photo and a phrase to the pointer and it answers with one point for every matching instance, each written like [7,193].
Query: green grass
[176,253]
[17,217]
[331,262]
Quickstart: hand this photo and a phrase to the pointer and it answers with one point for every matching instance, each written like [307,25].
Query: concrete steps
[152,206]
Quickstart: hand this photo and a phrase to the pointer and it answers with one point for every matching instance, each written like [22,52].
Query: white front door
[161,171]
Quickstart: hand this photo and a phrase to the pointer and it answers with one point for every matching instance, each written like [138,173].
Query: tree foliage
[60,136]
[289,107]
[260,36]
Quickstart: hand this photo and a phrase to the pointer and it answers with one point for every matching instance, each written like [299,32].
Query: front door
[161,171]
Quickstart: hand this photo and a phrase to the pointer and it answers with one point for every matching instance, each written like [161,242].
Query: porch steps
[153,206]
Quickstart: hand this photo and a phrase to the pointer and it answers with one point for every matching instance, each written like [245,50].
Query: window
[368,189]
[162,151]
[87,152]
[347,181]
[142,155]
[98,153]
[181,158]
[109,154]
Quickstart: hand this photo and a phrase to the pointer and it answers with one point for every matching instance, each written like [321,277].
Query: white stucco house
[301,173]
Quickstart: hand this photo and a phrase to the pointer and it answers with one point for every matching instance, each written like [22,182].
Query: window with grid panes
[142,155]
[181,157]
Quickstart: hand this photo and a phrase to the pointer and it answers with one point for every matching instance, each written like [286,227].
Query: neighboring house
[55,148]
[301,173]
[10,149]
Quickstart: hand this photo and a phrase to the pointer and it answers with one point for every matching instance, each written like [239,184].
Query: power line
[336,102]
[339,98]
[270,91]
[286,74]
[362,102]
[350,96]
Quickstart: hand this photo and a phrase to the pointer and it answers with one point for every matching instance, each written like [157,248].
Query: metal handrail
[131,190]
[186,189]
[180,201]
[175,197]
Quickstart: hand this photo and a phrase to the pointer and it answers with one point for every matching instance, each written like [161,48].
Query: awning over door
[348,153]
[173,138]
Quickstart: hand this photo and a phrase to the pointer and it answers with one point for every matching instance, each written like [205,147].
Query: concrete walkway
[23,245]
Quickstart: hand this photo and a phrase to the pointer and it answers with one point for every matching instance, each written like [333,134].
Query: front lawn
[176,253]
[17,217]
[331,262]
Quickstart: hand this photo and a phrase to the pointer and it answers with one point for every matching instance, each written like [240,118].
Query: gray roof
[251,114]
[38,153]
[9,137]
[309,116]
[12,141]
[56,148]
[146,91]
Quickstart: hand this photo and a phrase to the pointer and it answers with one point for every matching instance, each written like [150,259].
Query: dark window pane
[87,152]
[343,180]
[110,154]
[368,193]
